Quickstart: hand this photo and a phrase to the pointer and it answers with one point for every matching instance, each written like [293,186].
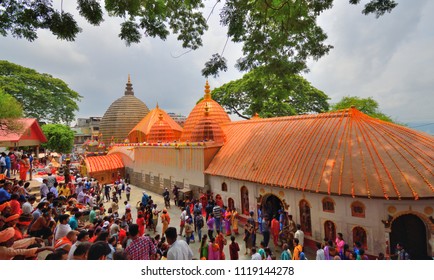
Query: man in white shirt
[51,179]
[255,255]
[62,228]
[179,249]
[300,235]
[43,188]
[83,236]
[320,256]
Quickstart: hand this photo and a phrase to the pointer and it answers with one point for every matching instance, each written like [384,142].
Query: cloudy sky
[390,59]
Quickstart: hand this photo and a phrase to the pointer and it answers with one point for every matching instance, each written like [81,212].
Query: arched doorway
[330,230]
[270,205]
[410,230]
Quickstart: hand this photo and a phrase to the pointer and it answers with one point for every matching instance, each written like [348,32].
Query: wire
[421,125]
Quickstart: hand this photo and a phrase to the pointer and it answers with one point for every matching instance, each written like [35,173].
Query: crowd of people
[72,222]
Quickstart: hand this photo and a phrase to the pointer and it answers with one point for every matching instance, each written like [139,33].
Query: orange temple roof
[208,129]
[143,128]
[339,153]
[216,112]
[161,132]
[103,163]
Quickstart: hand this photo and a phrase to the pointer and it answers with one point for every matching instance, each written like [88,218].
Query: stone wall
[144,181]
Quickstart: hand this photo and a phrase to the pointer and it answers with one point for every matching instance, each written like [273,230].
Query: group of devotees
[83,220]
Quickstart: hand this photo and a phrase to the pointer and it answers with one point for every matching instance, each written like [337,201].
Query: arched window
[244,200]
[330,230]
[328,205]
[305,219]
[358,209]
[224,187]
[231,204]
[359,235]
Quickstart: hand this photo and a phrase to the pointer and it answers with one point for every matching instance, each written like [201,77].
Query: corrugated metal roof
[103,163]
[340,153]
[142,129]
[216,112]
[30,131]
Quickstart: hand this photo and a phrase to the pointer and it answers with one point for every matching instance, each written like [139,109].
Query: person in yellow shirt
[297,249]
[63,190]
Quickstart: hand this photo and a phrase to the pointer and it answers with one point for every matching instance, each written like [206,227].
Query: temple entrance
[270,205]
[410,230]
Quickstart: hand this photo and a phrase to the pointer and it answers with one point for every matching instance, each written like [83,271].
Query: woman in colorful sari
[213,250]
[165,220]
[24,167]
[227,220]
[234,221]
[203,250]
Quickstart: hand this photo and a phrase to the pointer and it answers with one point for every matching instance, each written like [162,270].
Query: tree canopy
[366,105]
[10,111]
[42,96]
[270,95]
[279,35]
[60,138]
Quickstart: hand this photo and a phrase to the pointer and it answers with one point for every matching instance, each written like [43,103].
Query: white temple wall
[376,210]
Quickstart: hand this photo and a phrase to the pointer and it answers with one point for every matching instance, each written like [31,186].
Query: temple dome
[207,129]
[161,132]
[142,130]
[216,113]
[122,115]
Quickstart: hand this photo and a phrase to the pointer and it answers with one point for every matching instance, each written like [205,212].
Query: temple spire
[207,91]
[129,87]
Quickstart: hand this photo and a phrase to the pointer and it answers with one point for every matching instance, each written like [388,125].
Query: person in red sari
[140,221]
[275,229]
[24,167]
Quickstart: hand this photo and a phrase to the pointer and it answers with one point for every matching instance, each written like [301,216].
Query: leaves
[216,64]
[64,26]
[41,96]
[130,32]
[377,7]
[60,138]
[273,33]
[91,10]
[10,112]
[269,95]
[366,105]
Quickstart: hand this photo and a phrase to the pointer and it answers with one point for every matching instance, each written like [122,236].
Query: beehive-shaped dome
[122,116]
[161,132]
[207,129]
[215,113]
[141,131]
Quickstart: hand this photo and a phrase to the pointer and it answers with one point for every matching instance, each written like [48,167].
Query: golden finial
[129,79]
[206,109]
[207,91]
[158,107]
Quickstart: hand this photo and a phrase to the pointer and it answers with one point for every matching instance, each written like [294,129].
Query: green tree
[366,105]
[270,95]
[41,95]
[60,138]
[272,32]
[10,111]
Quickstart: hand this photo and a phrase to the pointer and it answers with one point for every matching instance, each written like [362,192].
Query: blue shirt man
[145,199]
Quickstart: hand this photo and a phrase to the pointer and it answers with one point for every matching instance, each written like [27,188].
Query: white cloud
[389,59]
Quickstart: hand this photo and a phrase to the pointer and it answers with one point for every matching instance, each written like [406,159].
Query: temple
[333,172]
